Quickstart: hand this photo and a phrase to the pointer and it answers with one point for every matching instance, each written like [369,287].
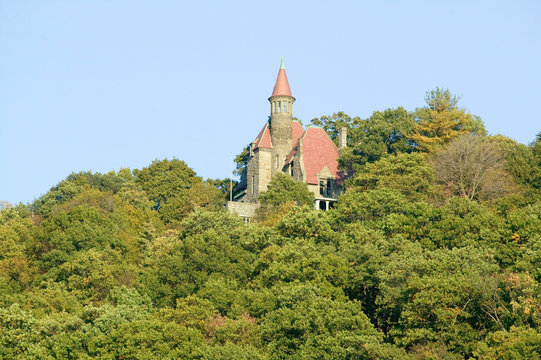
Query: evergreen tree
[442,120]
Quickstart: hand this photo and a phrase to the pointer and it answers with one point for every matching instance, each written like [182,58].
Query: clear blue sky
[101,84]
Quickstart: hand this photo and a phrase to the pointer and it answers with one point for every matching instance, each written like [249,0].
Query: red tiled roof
[263,140]
[318,150]
[296,132]
[291,154]
[281,88]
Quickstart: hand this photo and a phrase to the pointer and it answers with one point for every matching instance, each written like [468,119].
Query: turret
[281,102]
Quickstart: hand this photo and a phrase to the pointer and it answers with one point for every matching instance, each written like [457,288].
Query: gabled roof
[318,151]
[281,87]
[263,140]
[296,132]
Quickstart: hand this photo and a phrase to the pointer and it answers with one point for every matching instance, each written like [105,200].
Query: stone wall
[299,173]
[243,209]
[314,189]
[258,173]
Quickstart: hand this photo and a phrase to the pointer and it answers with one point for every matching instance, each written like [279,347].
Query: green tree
[241,161]
[17,271]
[176,190]
[447,296]
[518,343]
[181,262]
[223,185]
[76,183]
[333,123]
[524,164]
[314,327]
[282,188]
[410,174]
[282,194]
[166,179]
[381,134]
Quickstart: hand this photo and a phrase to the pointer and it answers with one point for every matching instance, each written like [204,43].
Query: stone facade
[280,129]
[245,210]
[258,174]
[308,155]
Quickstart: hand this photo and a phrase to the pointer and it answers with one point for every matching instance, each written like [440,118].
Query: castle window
[326,187]
[329,187]
[285,106]
[279,106]
[291,168]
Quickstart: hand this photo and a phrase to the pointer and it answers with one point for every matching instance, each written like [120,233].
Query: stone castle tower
[281,118]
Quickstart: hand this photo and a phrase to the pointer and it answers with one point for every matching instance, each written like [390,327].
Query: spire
[281,88]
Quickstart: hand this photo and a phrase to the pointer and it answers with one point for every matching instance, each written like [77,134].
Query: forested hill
[433,252]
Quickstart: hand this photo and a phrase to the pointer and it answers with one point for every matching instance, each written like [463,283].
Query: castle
[308,155]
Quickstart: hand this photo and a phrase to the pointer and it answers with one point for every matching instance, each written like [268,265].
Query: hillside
[433,252]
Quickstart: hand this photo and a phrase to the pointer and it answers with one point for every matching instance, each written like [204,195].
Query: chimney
[343,138]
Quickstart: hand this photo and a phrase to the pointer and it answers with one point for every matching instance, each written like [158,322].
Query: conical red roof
[281,88]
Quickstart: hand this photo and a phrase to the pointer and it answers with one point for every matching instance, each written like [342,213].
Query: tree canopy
[426,255]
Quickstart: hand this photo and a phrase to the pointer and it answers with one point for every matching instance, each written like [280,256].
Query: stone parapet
[243,209]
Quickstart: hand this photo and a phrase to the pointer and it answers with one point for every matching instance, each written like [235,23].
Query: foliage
[473,167]
[333,123]
[381,134]
[410,174]
[241,161]
[442,120]
[223,185]
[175,189]
[146,264]
[282,189]
[524,164]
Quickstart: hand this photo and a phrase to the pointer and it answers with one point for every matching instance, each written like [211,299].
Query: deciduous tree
[381,134]
[473,167]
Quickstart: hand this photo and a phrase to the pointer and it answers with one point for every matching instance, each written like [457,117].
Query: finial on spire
[281,88]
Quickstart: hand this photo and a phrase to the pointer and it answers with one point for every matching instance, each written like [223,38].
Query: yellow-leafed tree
[442,121]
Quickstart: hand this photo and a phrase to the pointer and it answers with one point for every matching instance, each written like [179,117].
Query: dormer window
[326,187]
